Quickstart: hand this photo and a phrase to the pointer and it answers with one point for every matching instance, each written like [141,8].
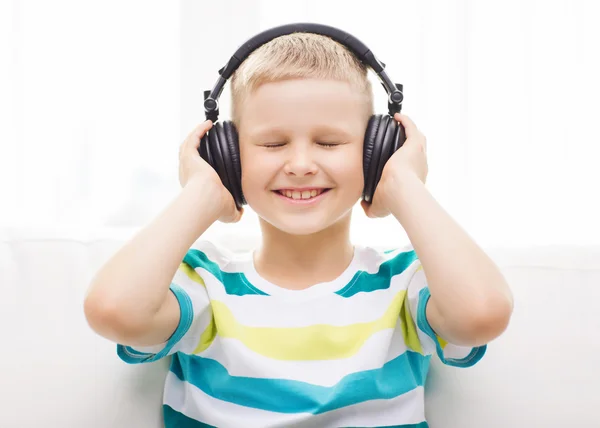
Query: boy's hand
[193,169]
[410,160]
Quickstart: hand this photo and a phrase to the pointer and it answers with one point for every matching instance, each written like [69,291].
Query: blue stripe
[419,425]
[397,377]
[367,282]
[233,283]
[474,356]
[174,419]
[131,356]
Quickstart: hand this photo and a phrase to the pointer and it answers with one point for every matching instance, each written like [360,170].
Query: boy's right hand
[193,169]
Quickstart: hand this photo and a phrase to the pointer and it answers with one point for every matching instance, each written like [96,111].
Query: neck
[299,261]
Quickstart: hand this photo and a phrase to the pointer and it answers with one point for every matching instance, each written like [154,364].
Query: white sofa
[56,373]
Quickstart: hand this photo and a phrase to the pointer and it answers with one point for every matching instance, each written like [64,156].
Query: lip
[303,202]
[300,189]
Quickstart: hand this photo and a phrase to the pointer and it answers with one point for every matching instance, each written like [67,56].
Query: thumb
[366,208]
[239,214]
[235,216]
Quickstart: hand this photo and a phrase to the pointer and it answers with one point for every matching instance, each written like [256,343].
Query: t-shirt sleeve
[194,323]
[449,354]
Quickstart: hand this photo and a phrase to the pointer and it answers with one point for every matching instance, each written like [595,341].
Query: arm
[470,302]
[129,300]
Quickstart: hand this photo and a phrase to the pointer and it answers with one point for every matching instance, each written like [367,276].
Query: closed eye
[273,145]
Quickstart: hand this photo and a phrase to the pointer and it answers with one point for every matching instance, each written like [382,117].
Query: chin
[304,228]
[306,223]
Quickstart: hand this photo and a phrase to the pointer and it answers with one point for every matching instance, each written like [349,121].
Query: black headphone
[220,146]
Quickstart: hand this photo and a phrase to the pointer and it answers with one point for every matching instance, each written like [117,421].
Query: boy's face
[296,118]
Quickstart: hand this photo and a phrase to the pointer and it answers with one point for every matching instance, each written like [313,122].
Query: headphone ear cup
[369,142]
[371,154]
[214,149]
[383,137]
[218,150]
[233,162]
[368,146]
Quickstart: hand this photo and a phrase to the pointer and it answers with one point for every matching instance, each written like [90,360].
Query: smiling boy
[307,329]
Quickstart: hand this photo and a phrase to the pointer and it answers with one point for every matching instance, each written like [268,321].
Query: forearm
[464,282]
[135,281]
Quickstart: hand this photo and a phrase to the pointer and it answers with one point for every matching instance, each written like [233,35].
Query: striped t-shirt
[352,352]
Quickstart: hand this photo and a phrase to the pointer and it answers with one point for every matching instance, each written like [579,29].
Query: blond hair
[294,56]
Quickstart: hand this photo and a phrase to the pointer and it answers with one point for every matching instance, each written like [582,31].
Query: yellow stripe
[442,342]
[315,342]
[207,337]
[409,329]
[192,274]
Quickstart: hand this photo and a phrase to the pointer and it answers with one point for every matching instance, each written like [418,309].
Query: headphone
[220,146]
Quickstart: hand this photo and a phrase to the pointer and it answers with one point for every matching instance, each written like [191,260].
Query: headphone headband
[362,52]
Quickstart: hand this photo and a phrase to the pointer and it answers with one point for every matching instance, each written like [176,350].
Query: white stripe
[217,254]
[369,259]
[187,399]
[241,361]
[331,309]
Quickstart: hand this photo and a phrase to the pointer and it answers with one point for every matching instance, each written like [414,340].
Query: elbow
[108,318]
[489,321]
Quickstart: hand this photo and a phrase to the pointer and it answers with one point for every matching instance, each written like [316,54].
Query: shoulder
[207,254]
[388,261]
[380,270]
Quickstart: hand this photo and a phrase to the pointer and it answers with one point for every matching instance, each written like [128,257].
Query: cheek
[257,171]
[350,171]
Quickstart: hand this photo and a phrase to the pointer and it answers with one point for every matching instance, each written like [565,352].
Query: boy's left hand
[410,161]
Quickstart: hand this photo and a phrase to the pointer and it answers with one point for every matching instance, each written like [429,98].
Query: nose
[300,161]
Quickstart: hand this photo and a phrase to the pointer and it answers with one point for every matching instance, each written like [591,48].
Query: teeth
[306,194]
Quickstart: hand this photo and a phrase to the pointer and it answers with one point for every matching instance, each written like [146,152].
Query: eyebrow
[276,131]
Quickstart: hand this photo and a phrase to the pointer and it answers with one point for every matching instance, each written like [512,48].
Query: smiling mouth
[301,195]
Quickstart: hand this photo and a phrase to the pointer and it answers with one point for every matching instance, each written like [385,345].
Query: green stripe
[419,425]
[232,282]
[237,283]
[396,377]
[367,282]
[174,419]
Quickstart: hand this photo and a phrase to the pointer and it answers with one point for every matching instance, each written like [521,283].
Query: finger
[192,142]
[235,216]
[368,208]
[240,212]
[409,126]
[365,207]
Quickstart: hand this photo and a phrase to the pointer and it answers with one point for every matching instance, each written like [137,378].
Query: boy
[308,329]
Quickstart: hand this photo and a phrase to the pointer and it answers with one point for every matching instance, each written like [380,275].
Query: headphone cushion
[218,148]
[369,143]
[382,138]
[233,160]
[374,136]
